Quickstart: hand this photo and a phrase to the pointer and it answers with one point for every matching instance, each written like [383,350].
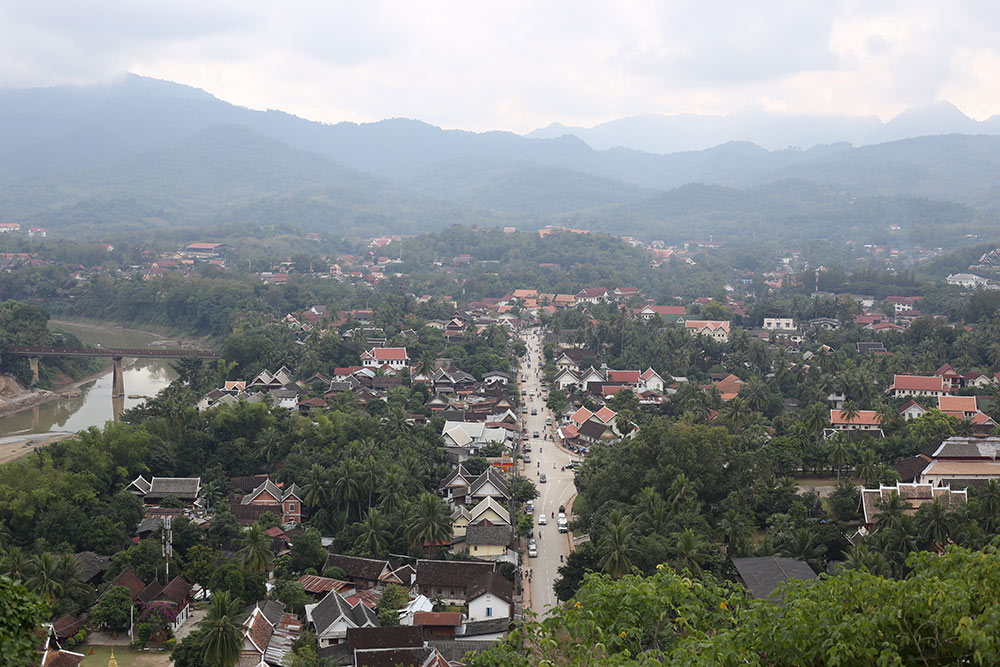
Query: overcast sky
[520,65]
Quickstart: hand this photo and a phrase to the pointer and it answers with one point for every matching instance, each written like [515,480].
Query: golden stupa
[112,662]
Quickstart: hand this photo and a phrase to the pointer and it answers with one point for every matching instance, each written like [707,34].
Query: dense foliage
[940,613]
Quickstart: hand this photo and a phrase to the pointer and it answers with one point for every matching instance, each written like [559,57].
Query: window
[489,611]
[291,507]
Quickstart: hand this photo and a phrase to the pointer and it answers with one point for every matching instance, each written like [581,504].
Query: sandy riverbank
[11,451]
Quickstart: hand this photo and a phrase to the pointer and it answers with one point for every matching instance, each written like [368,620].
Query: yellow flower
[723,605]
[623,634]
[660,566]
[578,605]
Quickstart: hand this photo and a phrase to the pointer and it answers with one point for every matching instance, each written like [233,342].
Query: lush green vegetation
[940,613]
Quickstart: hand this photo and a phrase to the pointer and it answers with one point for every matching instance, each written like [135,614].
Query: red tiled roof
[390,353]
[863,418]
[664,310]
[918,383]
[957,404]
[623,376]
[437,618]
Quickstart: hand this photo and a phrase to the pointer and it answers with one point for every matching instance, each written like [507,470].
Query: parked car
[527,459]
[532,551]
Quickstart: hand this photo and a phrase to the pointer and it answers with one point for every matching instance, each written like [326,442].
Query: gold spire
[112,662]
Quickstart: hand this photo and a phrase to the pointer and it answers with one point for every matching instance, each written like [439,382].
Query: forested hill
[141,152]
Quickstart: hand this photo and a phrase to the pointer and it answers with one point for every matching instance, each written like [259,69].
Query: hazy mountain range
[691,132]
[141,152]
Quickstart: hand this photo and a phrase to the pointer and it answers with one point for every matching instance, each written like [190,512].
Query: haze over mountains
[773,131]
[142,151]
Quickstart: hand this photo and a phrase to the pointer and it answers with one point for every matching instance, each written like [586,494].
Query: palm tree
[316,487]
[268,444]
[682,492]
[935,522]
[347,487]
[652,508]
[374,533]
[429,522]
[756,394]
[849,411]
[393,489]
[818,418]
[867,468]
[15,564]
[222,630]
[839,452]
[802,545]
[986,507]
[733,527]
[69,576]
[370,471]
[862,557]
[616,547]
[256,549]
[691,549]
[891,513]
[45,579]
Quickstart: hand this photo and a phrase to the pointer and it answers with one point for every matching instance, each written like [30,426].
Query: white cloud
[520,64]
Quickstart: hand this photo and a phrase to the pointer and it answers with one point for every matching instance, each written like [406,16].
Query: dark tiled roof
[247,484]
[450,572]
[593,430]
[129,580]
[482,534]
[390,637]
[393,657]
[177,590]
[762,575]
[91,565]
[455,650]
[490,582]
[149,593]
[488,627]
[909,469]
[66,626]
[185,488]
[248,514]
[272,610]
[357,568]
[334,606]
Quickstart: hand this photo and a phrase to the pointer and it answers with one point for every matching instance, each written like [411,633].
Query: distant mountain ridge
[664,134]
[141,151]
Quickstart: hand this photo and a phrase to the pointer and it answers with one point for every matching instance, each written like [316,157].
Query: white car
[542,520]
[532,552]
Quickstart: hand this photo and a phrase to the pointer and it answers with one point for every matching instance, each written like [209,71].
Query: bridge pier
[33,362]
[117,379]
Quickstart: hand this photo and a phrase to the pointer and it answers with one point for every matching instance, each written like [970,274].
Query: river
[92,405]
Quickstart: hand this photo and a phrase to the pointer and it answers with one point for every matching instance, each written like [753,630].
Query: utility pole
[167,546]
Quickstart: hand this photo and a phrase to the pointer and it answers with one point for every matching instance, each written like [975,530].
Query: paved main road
[549,459]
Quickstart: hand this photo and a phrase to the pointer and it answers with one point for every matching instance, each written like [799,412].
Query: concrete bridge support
[117,379]
[33,362]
